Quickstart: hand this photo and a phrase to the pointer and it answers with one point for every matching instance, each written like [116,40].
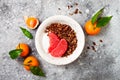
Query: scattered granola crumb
[70,6]
[94,43]
[76,3]
[101,40]
[59,9]
[93,48]
[76,11]
[88,47]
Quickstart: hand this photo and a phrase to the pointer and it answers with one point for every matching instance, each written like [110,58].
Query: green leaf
[103,21]
[37,71]
[15,53]
[26,33]
[96,16]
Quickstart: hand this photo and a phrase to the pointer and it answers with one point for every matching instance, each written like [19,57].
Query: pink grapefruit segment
[54,40]
[60,49]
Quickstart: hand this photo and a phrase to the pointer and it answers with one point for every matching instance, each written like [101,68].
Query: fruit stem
[94,28]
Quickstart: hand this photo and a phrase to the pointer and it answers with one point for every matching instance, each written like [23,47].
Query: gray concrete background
[104,64]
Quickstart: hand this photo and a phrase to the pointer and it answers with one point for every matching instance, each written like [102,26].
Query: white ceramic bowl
[42,41]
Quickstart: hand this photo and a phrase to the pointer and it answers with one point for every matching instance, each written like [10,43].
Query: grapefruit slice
[54,40]
[60,49]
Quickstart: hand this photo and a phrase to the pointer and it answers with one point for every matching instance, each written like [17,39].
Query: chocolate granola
[66,32]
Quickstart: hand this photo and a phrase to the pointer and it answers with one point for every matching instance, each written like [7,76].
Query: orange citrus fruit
[25,49]
[31,22]
[91,29]
[30,61]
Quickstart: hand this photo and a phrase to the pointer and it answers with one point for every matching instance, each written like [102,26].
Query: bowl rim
[54,60]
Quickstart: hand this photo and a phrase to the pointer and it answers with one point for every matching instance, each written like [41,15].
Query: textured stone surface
[104,64]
